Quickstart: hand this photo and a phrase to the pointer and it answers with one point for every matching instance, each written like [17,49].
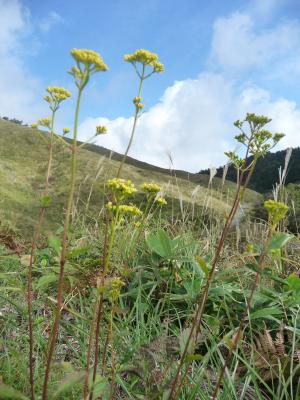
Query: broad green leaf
[265,312]
[293,281]
[55,244]
[160,244]
[278,241]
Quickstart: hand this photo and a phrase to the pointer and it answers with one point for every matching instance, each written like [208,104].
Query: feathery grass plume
[88,62]
[145,64]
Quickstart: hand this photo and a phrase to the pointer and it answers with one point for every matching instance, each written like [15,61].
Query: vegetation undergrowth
[143,301]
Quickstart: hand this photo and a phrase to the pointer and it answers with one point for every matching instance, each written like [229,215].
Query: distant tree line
[266,173]
[14,120]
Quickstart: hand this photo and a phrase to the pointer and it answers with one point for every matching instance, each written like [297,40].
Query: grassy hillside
[23,159]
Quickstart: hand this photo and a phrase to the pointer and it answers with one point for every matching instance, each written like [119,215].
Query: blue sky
[222,59]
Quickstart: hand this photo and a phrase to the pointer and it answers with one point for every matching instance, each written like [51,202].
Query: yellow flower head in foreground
[145,57]
[34,125]
[121,186]
[55,96]
[124,209]
[161,201]
[66,131]
[46,122]
[276,211]
[101,129]
[90,58]
[151,188]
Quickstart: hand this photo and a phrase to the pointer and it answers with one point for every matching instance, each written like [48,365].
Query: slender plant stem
[136,116]
[54,332]
[35,239]
[101,298]
[237,336]
[201,304]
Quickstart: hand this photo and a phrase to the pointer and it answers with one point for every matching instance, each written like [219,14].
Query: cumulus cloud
[193,119]
[19,90]
[239,44]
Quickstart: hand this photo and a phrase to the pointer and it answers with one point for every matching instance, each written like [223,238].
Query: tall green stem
[54,332]
[100,300]
[202,302]
[136,116]
[35,239]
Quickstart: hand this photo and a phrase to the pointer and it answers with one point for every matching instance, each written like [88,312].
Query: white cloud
[19,90]
[188,122]
[239,44]
[193,121]
[48,22]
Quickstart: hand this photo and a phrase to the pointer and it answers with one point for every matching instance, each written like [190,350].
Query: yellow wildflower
[121,186]
[161,201]
[150,188]
[91,59]
[276,211]
[66,131]
[145,57]
[44,122]
[34,125]
[101,129]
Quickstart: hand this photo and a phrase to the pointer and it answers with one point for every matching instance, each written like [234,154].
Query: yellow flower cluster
[44,122]
[151,188]
[161,201]
[276,211]
[58,93]
[124,209]
[137,102]
[121,186]
[66,131]
[145,57]
[91,59]
[101,129]
[56,96]
[34,125]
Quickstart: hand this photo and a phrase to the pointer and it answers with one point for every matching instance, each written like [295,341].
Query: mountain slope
[23,159]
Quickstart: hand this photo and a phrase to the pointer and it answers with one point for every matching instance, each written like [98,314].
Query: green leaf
[278,241]
[9,393]
[46,280]
[265,312]
[202,264]
[55,244]
[293,281]
[160,243]
[45,201]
